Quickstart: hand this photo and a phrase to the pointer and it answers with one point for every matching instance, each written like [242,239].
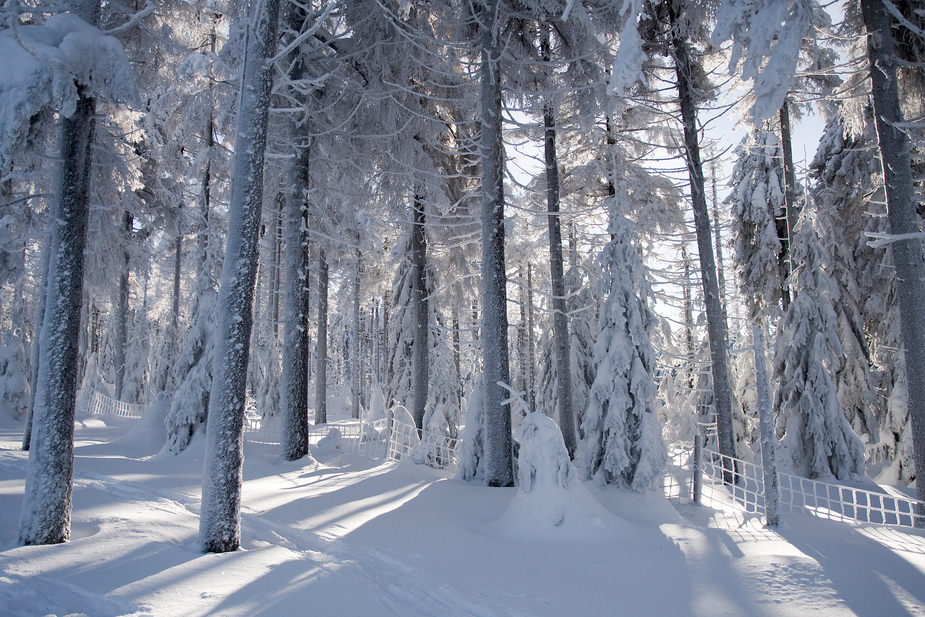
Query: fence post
[698,468]
[388,434]
[768,441]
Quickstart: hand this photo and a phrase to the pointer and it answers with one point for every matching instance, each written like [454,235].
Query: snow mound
[551,502]
[376,404]
[147,435]
[330,443]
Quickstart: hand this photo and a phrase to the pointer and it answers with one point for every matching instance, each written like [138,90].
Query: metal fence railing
[711,479]
[98,404]
[384,438]
[745,492]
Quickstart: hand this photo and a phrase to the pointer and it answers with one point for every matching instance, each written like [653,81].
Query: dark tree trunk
[499,470]
[121,341]
[46,510]
[421,345]
[557,276]
[895,152]
[716,328]
[790,201]
[295,329]
[321,371]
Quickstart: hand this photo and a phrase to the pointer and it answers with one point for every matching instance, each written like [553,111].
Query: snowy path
[351,538]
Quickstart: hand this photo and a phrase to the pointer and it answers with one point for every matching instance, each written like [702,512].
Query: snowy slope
[352,537]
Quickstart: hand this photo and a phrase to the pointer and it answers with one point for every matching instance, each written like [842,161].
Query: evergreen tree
[756,202]
[623,438]
[811,422]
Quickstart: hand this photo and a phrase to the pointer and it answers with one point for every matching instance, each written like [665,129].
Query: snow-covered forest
[473,209]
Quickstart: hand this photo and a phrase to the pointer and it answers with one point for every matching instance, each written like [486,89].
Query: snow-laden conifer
[582,304]
[622,436]
[193,369]
[756,201]
[14,384]
[810,419]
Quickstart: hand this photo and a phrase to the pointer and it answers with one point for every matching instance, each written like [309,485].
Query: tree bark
[321,371]
[531,358]
[499,468]
[716,328]
[895,154]
[790,201]
[121,341]
[46,510]
[295,312]
[557,276]
[36,343]
[357,362]
[220,519]
[421,345]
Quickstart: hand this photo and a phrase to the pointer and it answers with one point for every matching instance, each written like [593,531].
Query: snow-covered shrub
[14,385]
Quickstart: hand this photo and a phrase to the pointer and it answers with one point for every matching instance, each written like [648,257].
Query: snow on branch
[881,240]
[47,66]
[891,8]
[135,19]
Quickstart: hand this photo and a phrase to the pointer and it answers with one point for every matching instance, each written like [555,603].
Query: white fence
[385,438]
[720,482]
[98,404]
[739,485]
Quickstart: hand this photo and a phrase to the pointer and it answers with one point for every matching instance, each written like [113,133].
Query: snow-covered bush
[14,385]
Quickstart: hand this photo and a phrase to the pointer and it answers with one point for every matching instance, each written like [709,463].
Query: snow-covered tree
[81,60]
[676,30]
[895,155]
[810,419]
[839,189]
[219,523]
[756,202]
[14,383]
[622,436]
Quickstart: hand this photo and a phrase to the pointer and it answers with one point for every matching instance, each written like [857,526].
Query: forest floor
[352,537]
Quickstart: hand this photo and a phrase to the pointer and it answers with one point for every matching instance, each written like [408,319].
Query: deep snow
[353,537]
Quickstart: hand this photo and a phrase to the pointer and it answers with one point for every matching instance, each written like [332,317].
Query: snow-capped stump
[330,443]
[551,501]
[543,459]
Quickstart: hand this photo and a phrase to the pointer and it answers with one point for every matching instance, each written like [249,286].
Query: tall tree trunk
[321,371]
[36,343]
[720,268]
[716,328]
[177,278]
[498,443]
[389,371]
[295,312]
[531,359]
[220,519]
[557,275]
[895,153]
[457,363]
[46,509]
[421,343]
[357,362]
[790,200]
[275,277]
[121,341]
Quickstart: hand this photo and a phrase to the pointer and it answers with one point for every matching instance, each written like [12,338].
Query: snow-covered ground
[347,536]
